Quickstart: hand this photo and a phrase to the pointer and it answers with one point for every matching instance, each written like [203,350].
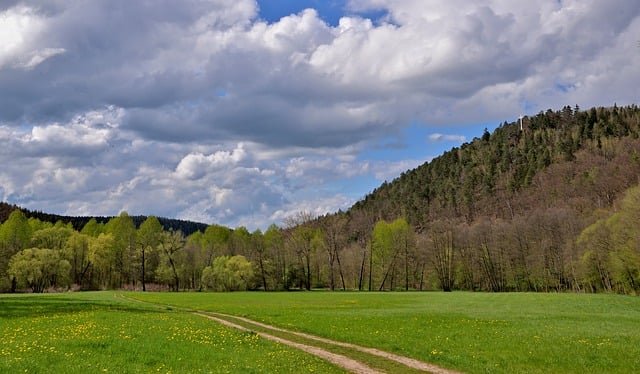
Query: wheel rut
[336,359]
[350,364]
[343,361]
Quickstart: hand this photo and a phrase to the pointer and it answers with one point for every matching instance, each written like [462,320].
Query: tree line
[548,250]
[78,222]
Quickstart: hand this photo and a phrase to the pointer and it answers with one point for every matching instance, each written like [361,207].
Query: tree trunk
[175,275]
[144,288]
[344,288]
[406,266]
[371,268]
[332,284]
[308,278]
[262,272]
[361,275]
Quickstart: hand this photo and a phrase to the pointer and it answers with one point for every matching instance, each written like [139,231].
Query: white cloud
[316,207]
[18,25]
[38,57]
[437,137]
[202,110]
[197,165]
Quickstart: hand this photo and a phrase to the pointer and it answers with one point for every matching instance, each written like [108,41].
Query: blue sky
[330,11]
[245,113]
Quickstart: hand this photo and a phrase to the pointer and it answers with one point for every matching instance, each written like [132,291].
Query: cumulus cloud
[18,25]
[196,165]
[202,110]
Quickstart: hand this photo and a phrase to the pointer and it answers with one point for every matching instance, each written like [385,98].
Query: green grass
[95,332]
[471,332]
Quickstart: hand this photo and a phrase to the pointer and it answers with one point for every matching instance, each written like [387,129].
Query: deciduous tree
[39,268]
[171,244]
[148,237]
[227,273]
[77,252]
[15,235]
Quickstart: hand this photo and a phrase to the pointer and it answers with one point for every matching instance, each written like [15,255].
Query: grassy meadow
[98,333]
[470,332]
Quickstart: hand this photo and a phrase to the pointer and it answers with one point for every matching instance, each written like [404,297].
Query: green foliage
[103,256]
[77,252]
[227,273]
[148,236]
[611,248]
[171,267]
[15,233]
[304,242]
[39,269]
[215,241]
[93,228]
[123,231]
[274,245]
[54,237]
[240,241]
[390,245]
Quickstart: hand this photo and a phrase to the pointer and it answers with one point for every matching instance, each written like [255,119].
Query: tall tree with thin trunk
[171,243]
[334,229]
[303,240]
[76,251]
[148,237]
[215,242]
[274,246]
[441,243]
[124,235]
[259,246]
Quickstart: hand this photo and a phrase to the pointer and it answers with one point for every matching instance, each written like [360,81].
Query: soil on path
[345,362]
[342,361]
[336,359]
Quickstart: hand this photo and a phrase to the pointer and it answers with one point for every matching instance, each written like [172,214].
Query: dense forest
[78,222]
[550,202]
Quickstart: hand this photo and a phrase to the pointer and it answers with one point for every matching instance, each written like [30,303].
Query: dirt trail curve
[342,361]
[339,360]
[336,359]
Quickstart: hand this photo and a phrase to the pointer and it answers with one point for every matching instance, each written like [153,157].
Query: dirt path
[336,359]
[342,361]
[339,360]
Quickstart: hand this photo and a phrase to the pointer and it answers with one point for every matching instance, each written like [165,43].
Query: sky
[245,113]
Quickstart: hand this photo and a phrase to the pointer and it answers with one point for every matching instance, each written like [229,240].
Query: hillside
[581,160]
[537,205]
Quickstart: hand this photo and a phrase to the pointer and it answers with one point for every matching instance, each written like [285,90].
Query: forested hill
[576,159]
[186,227]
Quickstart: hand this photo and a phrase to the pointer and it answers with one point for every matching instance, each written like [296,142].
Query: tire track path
[342,360]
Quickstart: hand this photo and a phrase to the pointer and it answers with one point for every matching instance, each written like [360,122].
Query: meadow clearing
[468,332]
